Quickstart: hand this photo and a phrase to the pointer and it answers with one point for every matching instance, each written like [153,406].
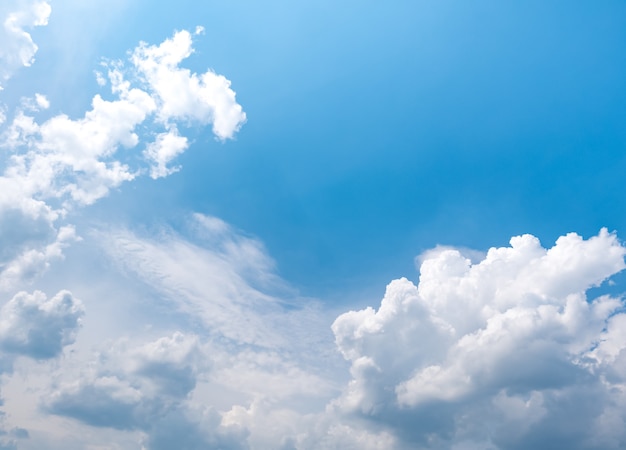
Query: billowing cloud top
[495,353]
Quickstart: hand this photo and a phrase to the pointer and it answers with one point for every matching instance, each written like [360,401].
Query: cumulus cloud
[170,363]
[37,328]
[164,149]
[17,48]
[206,98]
[61,163]
[33,325]
[502,352]
[145,387]
[152,388]
[129,388]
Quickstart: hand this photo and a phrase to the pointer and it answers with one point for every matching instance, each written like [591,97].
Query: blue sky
[382,130]
[197,231]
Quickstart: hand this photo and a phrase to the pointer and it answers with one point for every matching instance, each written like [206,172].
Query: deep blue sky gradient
[378,130]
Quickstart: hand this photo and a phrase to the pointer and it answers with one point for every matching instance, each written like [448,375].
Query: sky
[312,225]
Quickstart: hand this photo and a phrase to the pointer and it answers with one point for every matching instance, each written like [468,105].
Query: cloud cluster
[146,388]
[507,352]
[52,164]
[511,351]
[62,163]
[247,365]
[17,48]
[38,328]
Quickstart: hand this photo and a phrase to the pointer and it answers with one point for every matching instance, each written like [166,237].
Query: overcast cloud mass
[194,261]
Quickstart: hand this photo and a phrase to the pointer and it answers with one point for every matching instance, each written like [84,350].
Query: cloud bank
[512,351]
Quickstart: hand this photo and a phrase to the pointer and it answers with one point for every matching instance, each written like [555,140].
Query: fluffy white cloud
[164,149]
[181,95]
[17,48]
[61,163]
[75,158]
[493,352]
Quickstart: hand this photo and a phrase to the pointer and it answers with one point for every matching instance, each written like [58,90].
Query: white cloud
[491,352]
[275,426]
[26,265]
[33,325]
[145,387]
[250,351]
[17,48]
[74,158]
[164,149]
[219,277]
[206,98]
[171,363]
[521,364]
[42,101]
[62,163]
[58,164]
[130,388]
